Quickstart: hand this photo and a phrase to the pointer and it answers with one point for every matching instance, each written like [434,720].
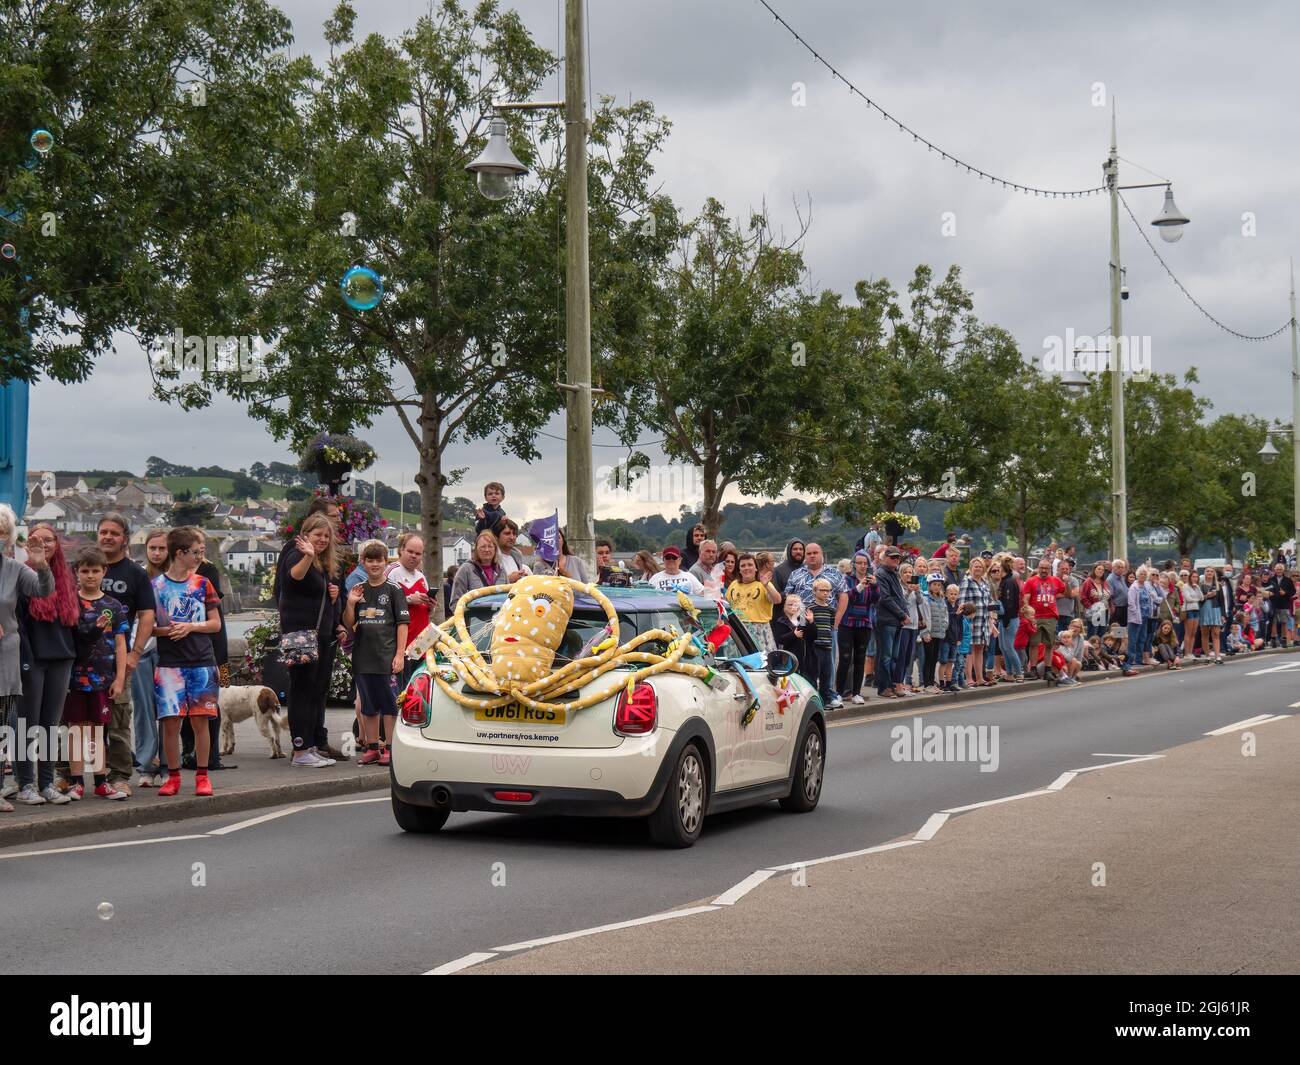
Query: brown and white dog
[240,702]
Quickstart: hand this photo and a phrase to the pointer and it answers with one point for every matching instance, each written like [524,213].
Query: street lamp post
[498,170]
[1170,222]
[1268,453]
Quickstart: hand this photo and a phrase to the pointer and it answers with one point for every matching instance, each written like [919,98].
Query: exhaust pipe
[441,797]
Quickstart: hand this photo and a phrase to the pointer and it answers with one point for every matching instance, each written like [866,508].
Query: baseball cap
[893,552]
[672,552]
[986,554]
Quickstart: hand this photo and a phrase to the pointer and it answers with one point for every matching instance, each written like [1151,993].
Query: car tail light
[415,701]
[513,796]
[637,714]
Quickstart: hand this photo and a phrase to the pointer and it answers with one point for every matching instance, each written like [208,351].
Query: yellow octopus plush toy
[527,633]
[529,629]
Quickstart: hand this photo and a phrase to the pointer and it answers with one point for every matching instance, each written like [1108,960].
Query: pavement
[258,781]
[262,782]
[1185,863]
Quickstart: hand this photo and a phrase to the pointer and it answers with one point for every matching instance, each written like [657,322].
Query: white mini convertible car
[671,750]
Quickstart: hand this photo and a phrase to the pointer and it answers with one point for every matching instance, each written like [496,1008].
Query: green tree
[296,492]
[1040,472]
[920,393]
[245,487]
[724,377]
[1256,498]
[464,344]
[146,196]
[191,512]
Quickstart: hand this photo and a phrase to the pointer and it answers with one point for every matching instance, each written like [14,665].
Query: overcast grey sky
[1205,94]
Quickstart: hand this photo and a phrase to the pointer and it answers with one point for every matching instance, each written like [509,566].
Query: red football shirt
[419,611]
[1042,593]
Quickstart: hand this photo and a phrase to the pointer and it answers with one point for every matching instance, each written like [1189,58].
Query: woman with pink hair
[45,629]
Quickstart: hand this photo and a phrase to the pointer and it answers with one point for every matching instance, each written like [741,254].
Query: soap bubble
[42,140]
[362,289]
[8,251]
[105,911]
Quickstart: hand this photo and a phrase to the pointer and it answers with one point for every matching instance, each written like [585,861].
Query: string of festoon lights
[1192,299]
[960,164]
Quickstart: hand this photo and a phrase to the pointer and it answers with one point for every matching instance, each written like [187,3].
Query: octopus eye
[540,604]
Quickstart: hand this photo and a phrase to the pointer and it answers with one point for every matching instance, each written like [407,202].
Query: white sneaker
[29,796]
[9,790]
[53,795]
[325,758]
[309,760]
[857,700]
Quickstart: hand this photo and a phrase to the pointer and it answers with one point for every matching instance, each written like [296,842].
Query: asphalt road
[338,888]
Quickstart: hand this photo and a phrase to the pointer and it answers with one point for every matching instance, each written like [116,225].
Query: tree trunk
[712,516]
[1022,526]
[431,482]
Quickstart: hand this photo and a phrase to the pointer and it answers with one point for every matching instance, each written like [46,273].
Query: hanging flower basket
[332,455]
[358,520]
[896,523]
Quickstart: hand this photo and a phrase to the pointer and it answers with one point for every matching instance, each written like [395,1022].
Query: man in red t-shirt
[1040,592]
[405,573]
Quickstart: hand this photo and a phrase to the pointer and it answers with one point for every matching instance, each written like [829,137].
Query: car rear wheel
[810,765]
[680,816]
[418,818]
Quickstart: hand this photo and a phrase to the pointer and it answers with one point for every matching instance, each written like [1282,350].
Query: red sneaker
[172,787]
[107,791]
[369,758]
[203,785]
[385,757]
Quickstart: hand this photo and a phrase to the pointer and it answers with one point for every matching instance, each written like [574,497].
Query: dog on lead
[240,702]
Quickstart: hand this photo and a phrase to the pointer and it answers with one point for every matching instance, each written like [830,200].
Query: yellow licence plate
[515,714]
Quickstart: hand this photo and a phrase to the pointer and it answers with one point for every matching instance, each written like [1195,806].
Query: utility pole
[1295,417]
[1118,476]
[579,520]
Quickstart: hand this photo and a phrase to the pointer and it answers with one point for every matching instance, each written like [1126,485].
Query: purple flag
[545,534]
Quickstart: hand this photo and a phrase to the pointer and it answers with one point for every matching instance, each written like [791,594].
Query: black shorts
[1121,615]
[377,695]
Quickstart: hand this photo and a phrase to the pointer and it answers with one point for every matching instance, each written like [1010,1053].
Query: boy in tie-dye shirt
[185,679]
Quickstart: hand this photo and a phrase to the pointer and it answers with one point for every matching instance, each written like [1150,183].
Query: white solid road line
[1293,706]
[102,846]
[931,826]
[1110,765]
[792,866]
[461,963]
[255,821]
[345,802]
[993,802]
[1250,722]
[734,894]
[1107,754]
[653,919]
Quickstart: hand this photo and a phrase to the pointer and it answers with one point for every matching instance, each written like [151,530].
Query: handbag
[302,646]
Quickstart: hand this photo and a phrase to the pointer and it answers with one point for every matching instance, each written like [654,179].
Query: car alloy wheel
[812,765]
[690,793]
